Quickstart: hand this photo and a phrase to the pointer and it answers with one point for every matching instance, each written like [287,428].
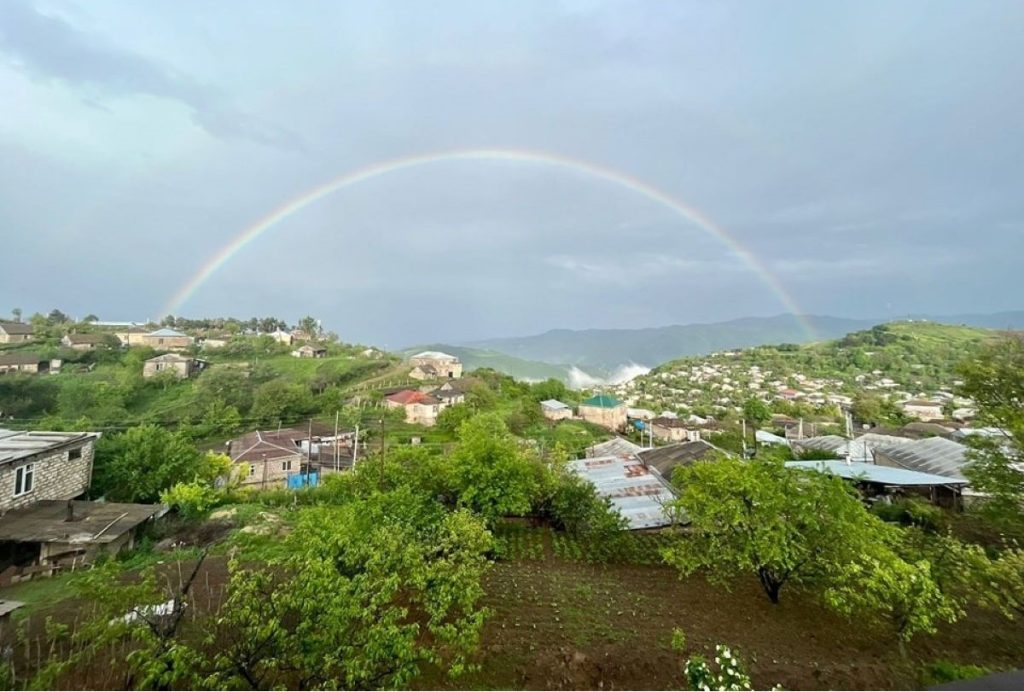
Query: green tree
[1003,585]
[995,380]
[490,472]
[136,465]
[17,314]
[278,400]
[782,525]
[452,417]
[309,325]
[756,412]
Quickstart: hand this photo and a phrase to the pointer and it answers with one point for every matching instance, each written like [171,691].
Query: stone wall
[55,477]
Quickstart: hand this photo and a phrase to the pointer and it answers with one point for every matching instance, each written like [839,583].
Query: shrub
[191,500]
[946,671]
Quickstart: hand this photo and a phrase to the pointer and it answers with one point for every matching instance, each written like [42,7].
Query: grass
[42,592]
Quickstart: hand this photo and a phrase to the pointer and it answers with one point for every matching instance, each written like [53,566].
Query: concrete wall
[269,474]
[556,414]
[32,367]
[6,338]
[445,368]
[164,343]
[181,369]
[55,477]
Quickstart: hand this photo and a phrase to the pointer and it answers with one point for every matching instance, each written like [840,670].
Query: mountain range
[583,357]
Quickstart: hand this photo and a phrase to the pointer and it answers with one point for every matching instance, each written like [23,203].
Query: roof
[860,448]
[765,437]
[427,369]
[411,396]
[674,422]
[94,522]
[922,402]
[932,455]
[554,405]
[616,445]
[166,331]
[19,359]
[636,493]
[310,347]
[169,358]
[450,393]
[8,607]
[85,338]
[259,446]
[873,473]
[602,401]
[16,445]
[16,327]
[435,355]
[666,459]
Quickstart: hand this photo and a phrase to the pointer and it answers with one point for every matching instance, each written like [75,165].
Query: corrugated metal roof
[766,437]
[861,448]
[554,404]
[166,331]
[616,446]
[932,455]
[16,444]
[873,473]
[636,492]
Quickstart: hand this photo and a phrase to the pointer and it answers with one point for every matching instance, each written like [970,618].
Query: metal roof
[435,355]
[872,473]
[860,449]
[554,404]
[615,446]
[16,444]
[768,438]
[166,331]
[636,492]
[932,455]
[602,401]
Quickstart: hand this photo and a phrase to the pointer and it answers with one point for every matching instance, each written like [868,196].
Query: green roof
[602,401]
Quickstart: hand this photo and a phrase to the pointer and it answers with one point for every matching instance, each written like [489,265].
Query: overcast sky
[870,154]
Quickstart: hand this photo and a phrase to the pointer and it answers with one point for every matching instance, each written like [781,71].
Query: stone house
[265,459]
[553,409]
[449,396]
[923,409]
[674,430]
[166,339]
[131,336]
[604,410]
[309,351]
[15,332]
[28,363]
[44,466]
[83,342]
[420,408]
[434,364]
[182,366]
[282,337]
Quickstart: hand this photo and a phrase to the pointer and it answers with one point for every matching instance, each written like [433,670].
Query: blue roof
[874,473]
[165,331]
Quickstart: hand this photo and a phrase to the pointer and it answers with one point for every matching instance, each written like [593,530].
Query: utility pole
[382,451]
[744,438]
[309,451]
[337,415]
[355,448]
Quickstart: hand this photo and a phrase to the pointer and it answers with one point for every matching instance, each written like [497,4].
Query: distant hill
[603,351]
[473,358]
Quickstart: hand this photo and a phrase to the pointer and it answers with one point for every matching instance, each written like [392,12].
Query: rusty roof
[636,492]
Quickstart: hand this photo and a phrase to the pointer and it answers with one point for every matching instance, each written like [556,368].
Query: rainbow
[376,170]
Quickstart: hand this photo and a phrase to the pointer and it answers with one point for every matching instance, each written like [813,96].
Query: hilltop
[519,368]
[896,361]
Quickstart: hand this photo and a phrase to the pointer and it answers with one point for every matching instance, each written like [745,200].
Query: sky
[868,155]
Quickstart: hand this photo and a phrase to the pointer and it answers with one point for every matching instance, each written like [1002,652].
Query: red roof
[411,396]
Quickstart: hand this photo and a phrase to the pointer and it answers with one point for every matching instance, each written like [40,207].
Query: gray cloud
[48,47]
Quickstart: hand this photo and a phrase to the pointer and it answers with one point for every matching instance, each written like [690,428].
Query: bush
[946,671]
[911,512]
[191,500]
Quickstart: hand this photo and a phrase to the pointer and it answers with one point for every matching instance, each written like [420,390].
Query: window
[75,453]
[286,465]
[24,478]
[252,470]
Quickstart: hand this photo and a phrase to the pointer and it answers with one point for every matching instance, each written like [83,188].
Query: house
[636,492]
[674,430]
[554,409]
[449,396]
[278,458]
[44,466]
[15,332]
[858,449]
[420,408]
[131,336]
[212,342]
[83,342]
[182,366]
[27,362]
[282,337]
[443,365]
[604,410]
[922,409]
[763,437]
[309,351]
[665,460]
[167,339]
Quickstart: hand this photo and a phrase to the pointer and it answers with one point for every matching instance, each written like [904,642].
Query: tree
[336,614]
[756,412]
[995,380]
[309,325]
[90,318]
[549,389]
[278,400]
[452,417]
[136,465]
[17,314]
[57,317]
[783,525]
[903,595]
[489,470]
[1003,585]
